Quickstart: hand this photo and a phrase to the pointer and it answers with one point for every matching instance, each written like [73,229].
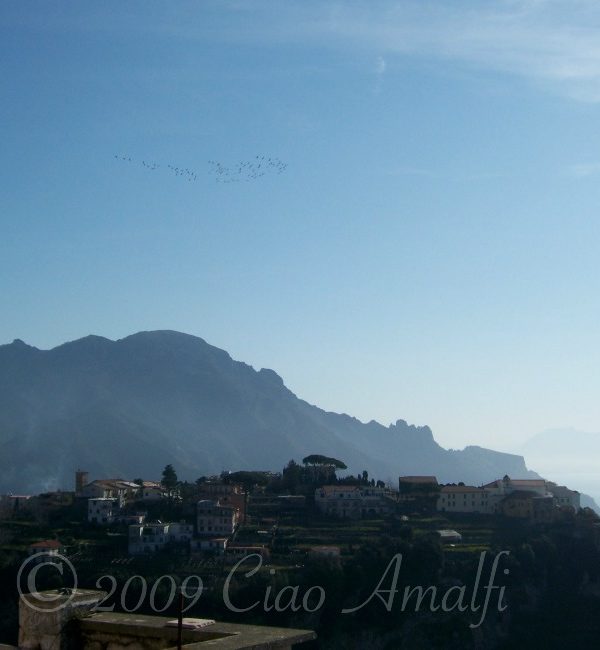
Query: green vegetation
[169,479]
[553,570]
[323,461]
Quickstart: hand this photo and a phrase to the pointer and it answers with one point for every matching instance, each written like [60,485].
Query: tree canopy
[247,478]
[318,459]
[169,478]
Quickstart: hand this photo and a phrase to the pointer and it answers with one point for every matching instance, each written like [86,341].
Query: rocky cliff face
[128,407]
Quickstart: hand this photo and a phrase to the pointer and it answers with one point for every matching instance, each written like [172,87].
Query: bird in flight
[242,171]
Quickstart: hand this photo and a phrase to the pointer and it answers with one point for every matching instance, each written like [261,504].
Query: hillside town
[223,505]
[219,505]
[311,517]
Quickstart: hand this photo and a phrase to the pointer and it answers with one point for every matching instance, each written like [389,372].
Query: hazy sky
[431,253]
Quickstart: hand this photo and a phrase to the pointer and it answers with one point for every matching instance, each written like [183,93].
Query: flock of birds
[249,170]
[246,170]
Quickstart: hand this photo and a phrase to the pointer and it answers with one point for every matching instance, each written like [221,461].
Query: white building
[111,489]
[151,491]
[181,532]
[465,498]
[564,497]
[148,538]
[504,486]
[353,501]
[490,497]
[102,510]
[216,520]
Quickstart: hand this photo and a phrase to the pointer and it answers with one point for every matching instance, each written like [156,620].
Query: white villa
[354,501]
[102,510]
[487,498]
[465,498]
[111,489]
[151,491]
[150,538]
[216,520]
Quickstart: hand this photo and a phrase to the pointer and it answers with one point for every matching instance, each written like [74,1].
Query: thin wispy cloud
[380,67]
[555,43]
[552,43]
[583,170]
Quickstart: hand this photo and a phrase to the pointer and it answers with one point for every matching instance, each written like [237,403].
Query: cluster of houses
[534,499]
[107,497]
[216,523]
[221,506]
[219,511]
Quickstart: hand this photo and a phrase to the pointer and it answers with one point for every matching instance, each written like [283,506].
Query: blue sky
[430,253]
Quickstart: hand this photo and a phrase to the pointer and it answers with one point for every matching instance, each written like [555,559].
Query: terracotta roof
[48,543]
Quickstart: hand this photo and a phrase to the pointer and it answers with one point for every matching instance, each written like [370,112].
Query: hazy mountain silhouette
[128,407]
[567,456]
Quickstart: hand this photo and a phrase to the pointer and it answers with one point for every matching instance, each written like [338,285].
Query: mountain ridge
[128,407]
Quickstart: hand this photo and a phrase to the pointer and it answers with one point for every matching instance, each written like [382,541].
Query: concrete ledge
[69,620]
[223,636]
